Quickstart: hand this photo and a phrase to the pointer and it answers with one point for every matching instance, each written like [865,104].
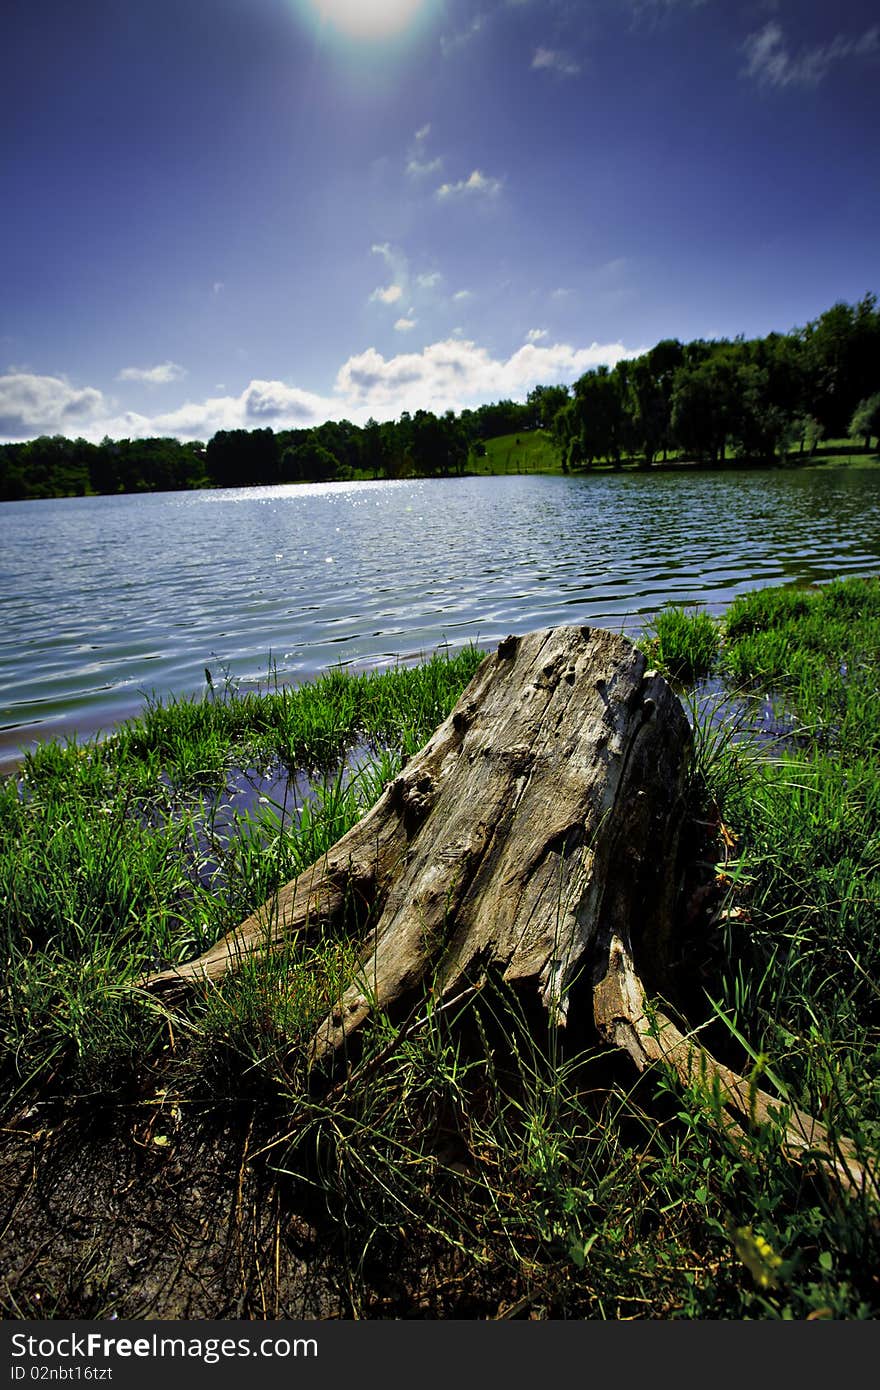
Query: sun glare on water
[367,19]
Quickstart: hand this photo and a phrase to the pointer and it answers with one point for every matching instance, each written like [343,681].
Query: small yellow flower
[758,1256]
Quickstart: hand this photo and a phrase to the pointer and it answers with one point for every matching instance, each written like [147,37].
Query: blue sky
[239,213]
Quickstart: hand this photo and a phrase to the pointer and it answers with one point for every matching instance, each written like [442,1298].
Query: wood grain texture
[546,805]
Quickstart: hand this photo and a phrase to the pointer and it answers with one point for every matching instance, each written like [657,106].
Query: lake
[108,600]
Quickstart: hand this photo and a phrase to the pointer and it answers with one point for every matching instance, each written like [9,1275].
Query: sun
[367,19]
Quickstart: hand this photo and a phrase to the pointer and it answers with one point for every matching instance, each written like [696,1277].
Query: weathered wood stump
[534,834]
[540,817]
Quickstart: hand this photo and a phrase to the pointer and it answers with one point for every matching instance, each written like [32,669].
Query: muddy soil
[100,1217]
[137,1212]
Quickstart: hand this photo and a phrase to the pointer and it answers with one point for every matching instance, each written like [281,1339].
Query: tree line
[423,444]
[755,400]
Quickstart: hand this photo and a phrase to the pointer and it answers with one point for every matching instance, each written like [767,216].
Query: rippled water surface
[107,600]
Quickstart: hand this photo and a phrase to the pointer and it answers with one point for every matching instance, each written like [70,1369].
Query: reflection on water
[104,600]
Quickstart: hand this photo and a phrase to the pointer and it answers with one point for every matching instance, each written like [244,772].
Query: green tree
[865,421]
[501,417]
[599,415]
[545,403]
[343,440]
[243,458]
[374,456]
[759,429]
[647,383]
[704,405]
[842,352]
[309,462]
[438,443]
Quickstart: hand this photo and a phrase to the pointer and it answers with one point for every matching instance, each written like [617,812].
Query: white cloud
[444,375]
[420,168]
[31,405]
[404,284]
[403,325]
[771,63]
[555,60]
[218,287]
[451,43]
[461,295]
[535,335]
[612,270]
[477,184]
[260,404]
[265,400]
[456,372]
[387,295]
[398,267]
[153,376]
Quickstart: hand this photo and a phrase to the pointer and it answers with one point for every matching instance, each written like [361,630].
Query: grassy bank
[120,854]
[536,451]
[532,451]
[470,1164]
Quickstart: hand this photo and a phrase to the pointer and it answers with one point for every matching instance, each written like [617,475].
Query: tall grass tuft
[683,644]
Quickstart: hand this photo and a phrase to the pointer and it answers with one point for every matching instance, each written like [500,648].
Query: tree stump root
[535,830]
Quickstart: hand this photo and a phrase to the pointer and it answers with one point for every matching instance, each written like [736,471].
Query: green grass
[839,453]
[307,726]
[116,857]
[531,451]
[793,960]
[858,462]
[811,817]
[535,451]
[683,643]
[501,1167]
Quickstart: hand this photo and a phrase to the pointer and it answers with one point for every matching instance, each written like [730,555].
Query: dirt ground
[98,1219]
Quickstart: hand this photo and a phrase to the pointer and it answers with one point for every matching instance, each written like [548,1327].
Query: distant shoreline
[855,459]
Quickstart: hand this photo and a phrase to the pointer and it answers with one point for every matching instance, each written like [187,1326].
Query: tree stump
[541,816]
[535,834]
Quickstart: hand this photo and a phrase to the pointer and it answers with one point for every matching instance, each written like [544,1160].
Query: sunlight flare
[367,19]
